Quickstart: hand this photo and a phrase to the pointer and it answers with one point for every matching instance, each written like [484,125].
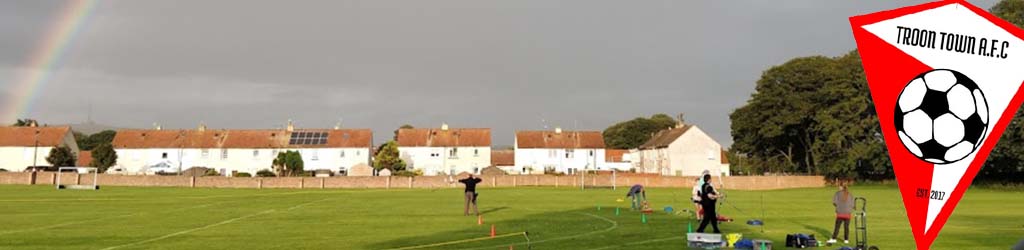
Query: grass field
[39,217]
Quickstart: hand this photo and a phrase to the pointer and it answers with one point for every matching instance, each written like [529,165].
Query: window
[256,153]
[591,152]
[454,153]
[273,153]
[206,153]
[569,153]
[476,170]
[357,152]
[342,153]
[476,152]
[223,153]
[434,154]
[552,153]
[315,156]
[163,156]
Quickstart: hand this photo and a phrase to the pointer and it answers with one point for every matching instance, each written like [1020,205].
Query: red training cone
[492,230]
[479,219]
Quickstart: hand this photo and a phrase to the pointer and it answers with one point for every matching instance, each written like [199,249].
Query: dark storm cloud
[506,65]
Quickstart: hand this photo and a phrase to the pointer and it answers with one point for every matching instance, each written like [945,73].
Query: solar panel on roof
[308,138]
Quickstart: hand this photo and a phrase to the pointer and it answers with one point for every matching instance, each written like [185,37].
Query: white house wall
[134,161]
[689,155]
[16,159]
[693,152]
[538,159]
[437,161]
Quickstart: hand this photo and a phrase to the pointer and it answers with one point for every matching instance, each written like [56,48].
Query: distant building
[228,151]
[617,159]
[21,147]
[445,151]
[684,150]
[504,160]
[559,151]
[84,158]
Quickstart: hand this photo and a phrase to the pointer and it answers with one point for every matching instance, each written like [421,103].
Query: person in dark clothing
[470,193]
[638,195]
[708,198]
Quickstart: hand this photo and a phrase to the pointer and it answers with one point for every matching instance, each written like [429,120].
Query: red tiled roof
[725,157]
[614,155]
[503,157]
[456,137]
[665,137]
[565,139]
[26,136]
[84,158]
[336,138]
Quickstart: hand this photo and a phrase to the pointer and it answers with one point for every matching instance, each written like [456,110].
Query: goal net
[598,179]
[84,178]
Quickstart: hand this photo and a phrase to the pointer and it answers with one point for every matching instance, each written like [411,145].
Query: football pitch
[40,217]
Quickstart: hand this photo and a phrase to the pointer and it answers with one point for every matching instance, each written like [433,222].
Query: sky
[505,65]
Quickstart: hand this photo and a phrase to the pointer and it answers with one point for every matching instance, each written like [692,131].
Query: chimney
[444,126]
[290,127]
[202,127]
[680,121]
[558,130]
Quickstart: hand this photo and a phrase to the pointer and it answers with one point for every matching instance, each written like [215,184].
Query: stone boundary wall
[385,182]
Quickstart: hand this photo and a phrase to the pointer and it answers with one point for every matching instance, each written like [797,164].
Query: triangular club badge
[946,80]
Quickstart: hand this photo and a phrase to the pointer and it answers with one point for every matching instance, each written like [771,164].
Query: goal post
[598,179]
[79,182]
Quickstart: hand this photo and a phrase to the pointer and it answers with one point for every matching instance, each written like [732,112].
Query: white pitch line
[212,225]
[190,230]
[614,226]
[639,243]
[104,218]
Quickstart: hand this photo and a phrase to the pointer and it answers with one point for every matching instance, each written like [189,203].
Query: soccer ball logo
[941,116]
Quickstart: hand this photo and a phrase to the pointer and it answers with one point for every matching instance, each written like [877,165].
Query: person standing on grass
[638,195]
[698,184]
[844,202]
[470,193]
[708,198]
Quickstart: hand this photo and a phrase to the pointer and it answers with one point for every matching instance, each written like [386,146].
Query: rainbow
[45,59]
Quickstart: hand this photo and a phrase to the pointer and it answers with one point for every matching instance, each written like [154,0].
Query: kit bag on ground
[800,240]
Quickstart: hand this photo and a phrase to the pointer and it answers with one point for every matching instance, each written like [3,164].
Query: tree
[61,157]
[288,163]
[812,115]
[265,173]
[387,158]
[103,157]
[90,142]
[1006,163]
[25,123]
[633,133]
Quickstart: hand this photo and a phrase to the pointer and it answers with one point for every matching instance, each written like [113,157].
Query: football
[941,116]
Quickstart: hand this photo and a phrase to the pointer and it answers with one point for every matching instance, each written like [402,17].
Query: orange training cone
[479,219]
[492,230]
[510,247]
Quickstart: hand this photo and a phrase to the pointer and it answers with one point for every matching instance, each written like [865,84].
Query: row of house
[683,150]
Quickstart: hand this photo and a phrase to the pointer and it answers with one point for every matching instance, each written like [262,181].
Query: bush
[242,174]
[211,172]
[265,173]
[407,173]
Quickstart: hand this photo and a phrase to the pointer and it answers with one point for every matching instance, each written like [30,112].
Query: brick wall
[730,182]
